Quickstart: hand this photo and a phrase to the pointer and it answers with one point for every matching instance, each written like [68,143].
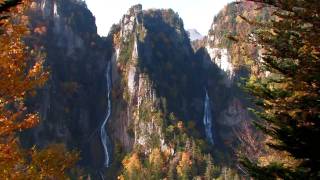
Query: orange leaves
[132,164]
[116,39]
[151,166]
[21,71]
[185,165]
[133,168]
[155,156]
[40,30]
[52,162]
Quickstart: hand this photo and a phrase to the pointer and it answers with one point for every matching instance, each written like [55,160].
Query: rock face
[156,76]
[157,80]
[234,60]
[72,104]
[139,111]
[194,35]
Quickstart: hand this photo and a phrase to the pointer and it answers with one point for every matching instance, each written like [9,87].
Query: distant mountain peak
[194,34]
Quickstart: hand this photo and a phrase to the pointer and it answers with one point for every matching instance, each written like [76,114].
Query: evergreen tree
[212,171]
[288,99]
[156,163]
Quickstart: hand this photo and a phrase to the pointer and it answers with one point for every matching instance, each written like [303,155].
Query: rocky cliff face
[141,53]
[234,56]
[73,103]
[235,59]
[194,35]
[156,77]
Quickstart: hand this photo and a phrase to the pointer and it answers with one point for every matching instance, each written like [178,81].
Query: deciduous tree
[21,72]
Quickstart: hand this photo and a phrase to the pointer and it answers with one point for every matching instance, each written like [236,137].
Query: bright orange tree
[21,72]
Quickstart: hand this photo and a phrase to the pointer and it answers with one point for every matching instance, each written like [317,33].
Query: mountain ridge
[194,35]
[165,96]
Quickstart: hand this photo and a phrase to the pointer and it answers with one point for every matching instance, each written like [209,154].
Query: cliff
[72,104]
[141,88]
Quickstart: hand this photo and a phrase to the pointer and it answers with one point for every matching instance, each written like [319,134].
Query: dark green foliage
[126,50]
[289,97]
[78,17]
[178,75]
[211,171]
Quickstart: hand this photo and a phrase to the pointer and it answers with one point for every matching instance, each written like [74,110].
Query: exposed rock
[194,35]
[71,105]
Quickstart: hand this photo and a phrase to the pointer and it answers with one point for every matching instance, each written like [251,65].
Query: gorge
[137,91]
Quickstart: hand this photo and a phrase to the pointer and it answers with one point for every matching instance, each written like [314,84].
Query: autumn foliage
[21,72]
[288,95]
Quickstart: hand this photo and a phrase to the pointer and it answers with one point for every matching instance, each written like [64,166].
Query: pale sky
[196,14]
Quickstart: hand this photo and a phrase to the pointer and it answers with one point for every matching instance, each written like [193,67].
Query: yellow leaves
[239,19]
[116,39]
[132,164]
[155,156]
[35,70]
[145,167]
[52,162]
[21,71]
[185,165]
[279,157]
[133,168]
[121,177]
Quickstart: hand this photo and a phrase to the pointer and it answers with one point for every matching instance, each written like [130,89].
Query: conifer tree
[288,99]
[212,171]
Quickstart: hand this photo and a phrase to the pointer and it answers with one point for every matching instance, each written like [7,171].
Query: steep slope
[138,66]
[156,70]
[236,58]
[159,84]
[228,23]
[142,89]
[72,105]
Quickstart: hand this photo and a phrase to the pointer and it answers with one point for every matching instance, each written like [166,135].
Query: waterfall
[103,133]
[207,119]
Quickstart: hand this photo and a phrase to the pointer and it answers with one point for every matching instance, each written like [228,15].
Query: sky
[196,14]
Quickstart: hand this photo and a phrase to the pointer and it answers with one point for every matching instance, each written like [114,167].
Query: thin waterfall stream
[103,132]
[207,119]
